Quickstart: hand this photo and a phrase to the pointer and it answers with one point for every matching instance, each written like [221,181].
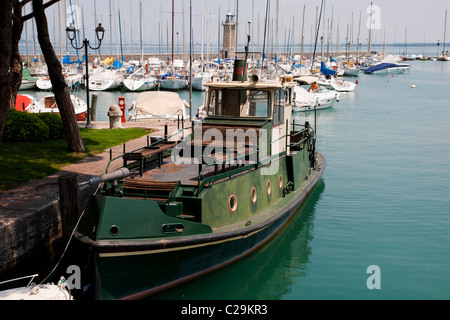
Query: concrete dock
[30,216]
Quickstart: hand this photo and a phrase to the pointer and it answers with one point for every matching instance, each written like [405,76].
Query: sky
[397,21]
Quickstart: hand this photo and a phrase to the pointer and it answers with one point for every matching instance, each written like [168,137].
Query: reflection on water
[267,274]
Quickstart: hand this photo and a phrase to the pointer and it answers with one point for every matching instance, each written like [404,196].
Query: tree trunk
[15,75]
[60,89]
[5,60]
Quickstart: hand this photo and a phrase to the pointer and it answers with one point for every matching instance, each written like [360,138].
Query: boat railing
[239,158]
[21,278]
[258,163]
[166,138]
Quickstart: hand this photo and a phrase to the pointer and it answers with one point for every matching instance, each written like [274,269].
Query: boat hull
[138,85]
[136,268]
[173,84]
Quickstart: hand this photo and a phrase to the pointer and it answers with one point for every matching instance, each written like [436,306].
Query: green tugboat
[194,202]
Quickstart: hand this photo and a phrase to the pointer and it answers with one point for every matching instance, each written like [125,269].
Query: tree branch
[31,15]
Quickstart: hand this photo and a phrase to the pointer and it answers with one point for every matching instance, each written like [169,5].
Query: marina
[380,204]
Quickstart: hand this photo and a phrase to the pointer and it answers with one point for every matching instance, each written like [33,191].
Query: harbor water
[380,213]
[382,204]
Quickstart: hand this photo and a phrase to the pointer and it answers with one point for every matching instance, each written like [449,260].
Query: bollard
[94,106]
[69,203]
[122,108]
[114,115]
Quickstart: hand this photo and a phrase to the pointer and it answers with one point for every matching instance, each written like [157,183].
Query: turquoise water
[383,200]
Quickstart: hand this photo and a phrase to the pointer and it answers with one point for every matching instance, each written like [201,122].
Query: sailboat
[28,81]
[444,56]
[140,81]
[172,80]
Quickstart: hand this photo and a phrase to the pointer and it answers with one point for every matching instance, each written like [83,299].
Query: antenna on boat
[246,52]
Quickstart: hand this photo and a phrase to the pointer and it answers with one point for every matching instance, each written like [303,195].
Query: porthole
[268,188]
[280,182]
[253,195]
[114,230]
[232,203]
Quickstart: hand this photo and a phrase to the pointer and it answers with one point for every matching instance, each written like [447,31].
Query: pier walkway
[30,214]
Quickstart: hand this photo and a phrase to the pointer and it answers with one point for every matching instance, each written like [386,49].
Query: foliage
[24,161]
[24,126]
[30,127]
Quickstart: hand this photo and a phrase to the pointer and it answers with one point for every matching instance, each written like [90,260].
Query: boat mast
[131,27]
[370,29]
[173,25]
[445,31]
[190,60]
[141,31]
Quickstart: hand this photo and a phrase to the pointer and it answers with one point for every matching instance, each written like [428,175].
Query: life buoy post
[122,106]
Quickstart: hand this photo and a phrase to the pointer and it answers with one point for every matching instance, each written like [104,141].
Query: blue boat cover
[380,66]
[168,75]
[332,60]
[326,71]
[117,64]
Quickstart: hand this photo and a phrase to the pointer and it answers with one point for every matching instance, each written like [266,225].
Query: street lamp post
[100,33]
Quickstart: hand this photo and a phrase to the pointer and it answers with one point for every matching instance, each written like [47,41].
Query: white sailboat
[139,81]
[444,56]
[172,80]
[199,80]
[105,80]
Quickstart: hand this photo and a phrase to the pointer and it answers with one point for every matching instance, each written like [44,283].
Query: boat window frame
[279,108]
[242,101]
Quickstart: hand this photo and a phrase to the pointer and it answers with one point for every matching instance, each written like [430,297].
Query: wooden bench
[156,190]
[142,155]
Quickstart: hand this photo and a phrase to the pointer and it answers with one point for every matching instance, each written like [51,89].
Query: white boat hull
[308,101]
[392,70]
[48,105]
[172,84]
[351,72]
[338,85]
[199,81]
[139,85]
[27,85]
[103,85]
[44,84]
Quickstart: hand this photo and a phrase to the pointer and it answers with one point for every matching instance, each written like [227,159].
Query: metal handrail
[248,167]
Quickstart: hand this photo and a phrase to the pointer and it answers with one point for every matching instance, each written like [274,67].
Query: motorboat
[158,105]
[387,68]
[329,80]
[24,102]
[48,104]
[306,99]
[33,291]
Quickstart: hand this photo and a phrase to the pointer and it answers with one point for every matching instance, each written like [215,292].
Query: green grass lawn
[24,161]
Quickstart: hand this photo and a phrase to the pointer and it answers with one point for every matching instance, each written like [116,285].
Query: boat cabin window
[278,108]
[239,103]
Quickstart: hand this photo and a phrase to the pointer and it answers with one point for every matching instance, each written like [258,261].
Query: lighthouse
[229,37]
